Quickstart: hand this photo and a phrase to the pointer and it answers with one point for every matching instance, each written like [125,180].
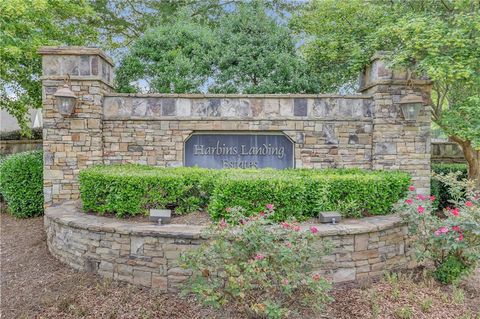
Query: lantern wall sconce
[65,99]
[411,105]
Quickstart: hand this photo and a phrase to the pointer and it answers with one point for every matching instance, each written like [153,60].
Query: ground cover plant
[449,240]
[264,269]
[300,193]
[21,183]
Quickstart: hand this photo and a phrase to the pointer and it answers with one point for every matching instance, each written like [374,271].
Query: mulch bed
[36,285]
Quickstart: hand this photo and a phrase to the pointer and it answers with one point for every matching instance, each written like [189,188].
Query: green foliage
[245,51]
[450,270]
[444,239]
[437,39]
[300,193]
[264,268]
[133,189]
[36,134]
[173,58]
[440,190]
[26,26]
[125,21]
[255,54]
[304,193]
[340,38]
[21,183]
[404,312]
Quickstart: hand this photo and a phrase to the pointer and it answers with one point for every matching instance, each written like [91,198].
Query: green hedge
[133,189]
[21,183]
[438,189]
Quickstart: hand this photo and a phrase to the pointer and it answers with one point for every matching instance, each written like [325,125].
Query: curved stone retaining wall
[147,254]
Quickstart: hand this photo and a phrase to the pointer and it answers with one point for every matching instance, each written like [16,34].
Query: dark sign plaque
[231,150]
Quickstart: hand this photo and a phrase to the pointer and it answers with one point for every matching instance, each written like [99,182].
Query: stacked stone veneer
[366,131]
[75,142]
[148,255]
[447,152]
[328,131]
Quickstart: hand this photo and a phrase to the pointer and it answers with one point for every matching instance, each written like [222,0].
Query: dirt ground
[35,285]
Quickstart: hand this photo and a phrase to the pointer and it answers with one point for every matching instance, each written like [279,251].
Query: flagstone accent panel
[224,107]
[148,255]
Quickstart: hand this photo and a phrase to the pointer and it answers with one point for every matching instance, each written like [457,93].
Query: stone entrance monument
[367,130]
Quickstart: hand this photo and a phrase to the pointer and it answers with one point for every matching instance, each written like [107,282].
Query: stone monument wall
[366,131]
[147,255]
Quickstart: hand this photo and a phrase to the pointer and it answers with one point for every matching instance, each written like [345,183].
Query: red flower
[409,201]
[223,223]
[411,188]
[421,197]
[432,198]
[421,209]
[259,257]
[469,204]
[296,228]
[285,225]
[316,277]
[460,237]
[455,212]
[456,228]
[314,229]
[441,230]
[262,214]
[270,206]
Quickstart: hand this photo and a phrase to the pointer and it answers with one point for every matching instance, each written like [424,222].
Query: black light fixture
[65,99]
[411,105]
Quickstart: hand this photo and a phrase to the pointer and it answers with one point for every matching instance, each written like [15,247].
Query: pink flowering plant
[262,268]
[450,239]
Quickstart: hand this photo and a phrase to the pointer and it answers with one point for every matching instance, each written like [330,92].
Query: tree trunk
[472,156]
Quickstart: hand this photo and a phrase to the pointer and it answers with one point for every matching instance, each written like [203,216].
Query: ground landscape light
[65,100]
[411,105]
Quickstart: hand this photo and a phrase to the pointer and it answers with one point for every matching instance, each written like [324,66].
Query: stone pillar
[398,144]
[73,142]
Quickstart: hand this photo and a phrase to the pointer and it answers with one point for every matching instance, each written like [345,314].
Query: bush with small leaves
[439,189]
[300,193]
[450,240]
[263,268]
[21,183]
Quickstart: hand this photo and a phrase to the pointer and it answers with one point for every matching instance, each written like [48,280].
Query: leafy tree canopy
[26,26]
[440,39]
[255,54]
[172,58]
[125,21]
[248,51]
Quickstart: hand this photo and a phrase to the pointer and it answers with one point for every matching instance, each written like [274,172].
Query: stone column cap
[379,55]
[74,50]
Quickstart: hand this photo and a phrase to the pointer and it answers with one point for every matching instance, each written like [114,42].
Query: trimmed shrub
[133,189]
[300,193]
[439,189]
[21,183]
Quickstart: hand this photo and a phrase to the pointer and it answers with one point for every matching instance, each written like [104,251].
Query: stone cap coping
[258,96]
[38,141]
[72,50]
[414,83]
[69,214]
